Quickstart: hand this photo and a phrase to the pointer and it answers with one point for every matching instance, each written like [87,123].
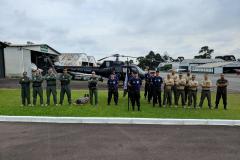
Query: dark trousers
[150,93]
[167,96]
[205,94]
[65,89]
[221,92]
[187,92]
[37,91]
[113,92]
[135,99]
[51,90]
[174,90]
[182,94]
[146,90]
[25,94]
[192,97]
[157,97]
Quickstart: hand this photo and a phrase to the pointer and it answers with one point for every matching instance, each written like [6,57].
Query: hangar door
[2,65]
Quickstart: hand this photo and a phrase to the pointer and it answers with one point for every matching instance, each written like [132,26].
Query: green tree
[205,53]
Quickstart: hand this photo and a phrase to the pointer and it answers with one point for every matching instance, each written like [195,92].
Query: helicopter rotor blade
[104,58]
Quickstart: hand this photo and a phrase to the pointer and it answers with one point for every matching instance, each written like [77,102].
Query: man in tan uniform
[193,86]
[206,92]
[180,84]
[174,77]
[188,77]
[168,84]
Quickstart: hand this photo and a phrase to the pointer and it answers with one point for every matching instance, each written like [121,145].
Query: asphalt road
[28,141]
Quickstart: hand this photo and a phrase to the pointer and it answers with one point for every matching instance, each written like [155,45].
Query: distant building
[190,64]
[21,57]
[218,67]
[214,66]
[76,59]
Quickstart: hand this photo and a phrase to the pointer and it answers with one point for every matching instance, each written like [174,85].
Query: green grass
[10,105]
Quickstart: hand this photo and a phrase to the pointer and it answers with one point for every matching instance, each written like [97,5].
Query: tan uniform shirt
[174,77]
[206,84]
[168,83]
[180,83]
[193,85]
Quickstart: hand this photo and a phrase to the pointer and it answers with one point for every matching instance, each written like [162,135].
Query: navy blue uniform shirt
[157,81]
[112,83]
[136,84]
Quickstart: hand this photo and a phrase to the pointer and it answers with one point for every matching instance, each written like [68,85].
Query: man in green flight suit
[92,85]
[51,78]
[37,87]
[65,79]
[25,89]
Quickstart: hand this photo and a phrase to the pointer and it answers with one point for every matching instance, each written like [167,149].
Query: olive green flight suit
[51,87]
[65,87]
[37,89]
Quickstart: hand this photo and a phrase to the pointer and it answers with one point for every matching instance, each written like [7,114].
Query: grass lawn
[10,105]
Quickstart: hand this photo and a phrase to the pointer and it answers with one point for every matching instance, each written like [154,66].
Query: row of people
[185,87]
[51,87]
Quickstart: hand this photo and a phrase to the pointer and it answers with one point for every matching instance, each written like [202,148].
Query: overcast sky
[130,27]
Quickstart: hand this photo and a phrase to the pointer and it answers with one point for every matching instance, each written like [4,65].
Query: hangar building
[21,57]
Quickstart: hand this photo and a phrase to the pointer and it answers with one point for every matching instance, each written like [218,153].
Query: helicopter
[106,68]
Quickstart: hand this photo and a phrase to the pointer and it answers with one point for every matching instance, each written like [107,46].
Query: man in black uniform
[157,84]
[25,89]
[65,79]
[112,89]
[37,87]
[222,84]
[150,87]
[135,83]
[147,75]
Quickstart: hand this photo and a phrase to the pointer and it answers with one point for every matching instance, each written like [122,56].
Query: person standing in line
[112,89]
[222,84]
[147,76]
[174,77]
[51,80]
[135,83]
[25,89]
[187,88]
[37,81]
[157,89]
[93,90]
[180,84]
[206,91]
[168,84]
[65,80]
[193,87]
[150,87]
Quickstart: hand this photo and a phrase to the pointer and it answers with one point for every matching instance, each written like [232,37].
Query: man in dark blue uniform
[112,89]
[222,84]
[146,77]
[135,83]
[150,87]
[157,84]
